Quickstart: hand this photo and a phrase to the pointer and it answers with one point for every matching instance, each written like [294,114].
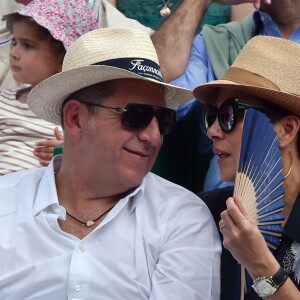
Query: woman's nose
[214,131]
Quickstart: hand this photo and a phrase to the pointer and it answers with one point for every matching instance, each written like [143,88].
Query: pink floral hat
[66,20]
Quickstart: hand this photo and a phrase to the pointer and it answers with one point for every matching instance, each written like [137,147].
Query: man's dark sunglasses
[138,116]
[227,114]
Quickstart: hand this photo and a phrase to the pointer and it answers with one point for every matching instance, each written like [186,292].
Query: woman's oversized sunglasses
[227,114]
[138,116]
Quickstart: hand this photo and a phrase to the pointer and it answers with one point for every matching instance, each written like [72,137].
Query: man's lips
[138,153]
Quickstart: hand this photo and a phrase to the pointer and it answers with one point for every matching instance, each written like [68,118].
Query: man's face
[123,155]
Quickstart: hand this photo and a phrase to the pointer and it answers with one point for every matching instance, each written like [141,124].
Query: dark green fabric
[182,159]
[59,149]
[147,12]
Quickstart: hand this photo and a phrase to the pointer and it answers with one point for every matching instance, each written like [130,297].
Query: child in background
[42,31]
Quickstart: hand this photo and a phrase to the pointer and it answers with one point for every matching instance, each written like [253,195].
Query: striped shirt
[20,129]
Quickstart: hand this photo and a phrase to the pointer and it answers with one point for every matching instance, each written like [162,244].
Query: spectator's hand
[44,149]
[256,3]
[243,238]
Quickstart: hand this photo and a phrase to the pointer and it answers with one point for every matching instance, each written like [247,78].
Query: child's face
[31,58]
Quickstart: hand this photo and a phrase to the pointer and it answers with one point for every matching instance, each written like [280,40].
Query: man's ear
[72,118]
[288,129]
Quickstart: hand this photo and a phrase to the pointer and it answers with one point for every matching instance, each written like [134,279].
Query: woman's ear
[287,129]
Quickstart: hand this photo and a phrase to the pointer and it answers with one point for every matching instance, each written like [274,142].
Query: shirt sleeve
[188,265]
[199,70]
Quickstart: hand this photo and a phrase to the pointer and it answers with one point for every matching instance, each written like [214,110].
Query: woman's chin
[227,177]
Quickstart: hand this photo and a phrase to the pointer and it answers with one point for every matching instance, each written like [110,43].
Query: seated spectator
[40,39]
[260,79]
[96,217]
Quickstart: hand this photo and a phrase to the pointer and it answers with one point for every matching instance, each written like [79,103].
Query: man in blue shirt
[189,61]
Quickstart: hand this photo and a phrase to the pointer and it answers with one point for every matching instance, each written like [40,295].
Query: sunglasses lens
[227,117]
[166,119]
[137,116]
[210,115]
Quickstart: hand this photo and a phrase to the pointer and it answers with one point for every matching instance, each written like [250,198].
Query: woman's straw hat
[97,56]
[268,68]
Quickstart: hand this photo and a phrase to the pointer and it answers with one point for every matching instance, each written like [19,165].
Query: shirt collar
[47,193]
[134,195]
[264,25]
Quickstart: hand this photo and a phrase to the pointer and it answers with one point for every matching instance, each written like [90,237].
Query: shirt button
[82,248]
[262,18]
[52,225]
[77,287]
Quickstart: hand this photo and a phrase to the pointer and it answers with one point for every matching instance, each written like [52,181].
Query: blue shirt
[199,71]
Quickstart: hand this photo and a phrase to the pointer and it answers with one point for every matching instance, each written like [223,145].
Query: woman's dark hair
[275,114]
[43,34]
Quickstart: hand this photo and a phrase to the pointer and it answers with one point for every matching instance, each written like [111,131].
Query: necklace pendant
[165,11]
[90,223]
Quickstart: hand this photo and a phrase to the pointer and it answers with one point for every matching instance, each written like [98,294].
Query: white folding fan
[259,178]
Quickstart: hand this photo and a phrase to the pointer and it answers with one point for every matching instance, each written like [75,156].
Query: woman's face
[227,145]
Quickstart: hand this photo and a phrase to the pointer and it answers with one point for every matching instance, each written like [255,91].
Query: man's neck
[285,13]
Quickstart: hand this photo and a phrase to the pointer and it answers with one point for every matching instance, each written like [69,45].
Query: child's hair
[57,47]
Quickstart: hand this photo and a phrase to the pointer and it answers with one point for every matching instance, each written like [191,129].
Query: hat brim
[208,93]
[46,99]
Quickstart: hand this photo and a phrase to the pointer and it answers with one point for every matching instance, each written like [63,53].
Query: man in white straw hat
[95,224]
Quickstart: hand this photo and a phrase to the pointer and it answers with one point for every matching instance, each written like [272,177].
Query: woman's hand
[44,149]
[244,240]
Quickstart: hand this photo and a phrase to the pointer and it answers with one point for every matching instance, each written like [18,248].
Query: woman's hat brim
[208,93]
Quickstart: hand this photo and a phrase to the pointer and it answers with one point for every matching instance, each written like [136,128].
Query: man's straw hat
[97,56]
[268,68]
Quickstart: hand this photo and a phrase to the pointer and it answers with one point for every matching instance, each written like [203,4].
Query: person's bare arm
[174,38]
[239,12]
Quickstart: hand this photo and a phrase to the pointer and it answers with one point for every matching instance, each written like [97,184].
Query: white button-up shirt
[159,243]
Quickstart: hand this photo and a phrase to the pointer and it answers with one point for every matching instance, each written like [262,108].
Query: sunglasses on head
[228,114]
[138,116]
